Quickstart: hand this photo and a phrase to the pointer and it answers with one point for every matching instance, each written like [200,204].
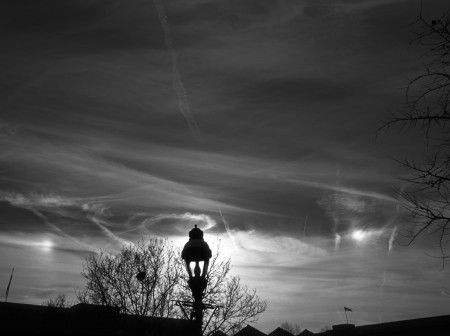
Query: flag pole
[346,318]
[9,284]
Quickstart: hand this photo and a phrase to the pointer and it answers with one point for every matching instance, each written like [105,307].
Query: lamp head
[196,251]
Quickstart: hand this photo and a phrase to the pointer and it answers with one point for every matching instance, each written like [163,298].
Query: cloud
[98,219]
[37,200]
[95,153]
[39,241]
[106,218]
[175,224]
[330,281]
[356,209]
[6,129]
[178,86]
[41,271]
[337,241]
[268,248]
[44,242]
[320,8]
[68,217]
[229,232]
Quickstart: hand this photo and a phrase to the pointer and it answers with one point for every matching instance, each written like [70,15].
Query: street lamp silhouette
[196,254]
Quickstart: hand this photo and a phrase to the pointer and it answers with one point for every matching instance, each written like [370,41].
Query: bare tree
[60,301]
[427,181]
[234,304]
[148,279]
[141,280]
[294,329]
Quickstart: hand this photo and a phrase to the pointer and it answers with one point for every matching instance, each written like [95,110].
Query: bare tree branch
[427,182]
[148,278]
[294,329]
[60,301]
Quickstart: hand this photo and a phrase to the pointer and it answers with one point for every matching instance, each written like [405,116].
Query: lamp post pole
[194,252]
[197,286]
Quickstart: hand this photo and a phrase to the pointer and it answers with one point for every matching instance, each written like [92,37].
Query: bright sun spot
[359,235]
[46,245]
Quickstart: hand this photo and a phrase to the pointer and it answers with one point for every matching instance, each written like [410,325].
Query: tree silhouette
[237,305]
[140,280]
[148,279]
[60,301]
[294,329]
[427,181]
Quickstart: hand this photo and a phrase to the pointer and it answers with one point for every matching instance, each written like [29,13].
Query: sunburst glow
[360,235]
[46,245]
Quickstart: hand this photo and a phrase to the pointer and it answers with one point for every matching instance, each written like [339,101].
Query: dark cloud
[48,15]
[233,13]
[97,149]
[319,8]
[83,26]
[18,219]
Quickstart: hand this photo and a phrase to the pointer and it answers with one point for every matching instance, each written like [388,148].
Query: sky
[255,120]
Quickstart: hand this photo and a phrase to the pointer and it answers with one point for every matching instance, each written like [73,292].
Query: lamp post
[196,254]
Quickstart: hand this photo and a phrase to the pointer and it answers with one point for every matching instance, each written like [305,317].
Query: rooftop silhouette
[95,320]
[249,331]
[280,332]
[85,320]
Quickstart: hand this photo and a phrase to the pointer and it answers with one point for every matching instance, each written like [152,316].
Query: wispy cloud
[172,224]
[262,248]
[337,241]
[97,217]
[38,200]
[229,232]
[350,208]
[6,129]
[99,105]
[66,216]
[178,86]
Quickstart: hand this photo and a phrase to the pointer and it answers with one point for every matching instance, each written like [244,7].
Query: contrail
[391,239]
[228,231]
[97,220]
[53,226]
[337,241]
[337,236]
[177,84]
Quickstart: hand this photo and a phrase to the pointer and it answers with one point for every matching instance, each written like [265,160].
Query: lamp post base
[197,286]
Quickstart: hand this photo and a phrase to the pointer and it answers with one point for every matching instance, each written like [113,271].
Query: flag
[9,284]
[347,309]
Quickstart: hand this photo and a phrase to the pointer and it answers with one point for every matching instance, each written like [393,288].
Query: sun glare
[359,235]
[46,245]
